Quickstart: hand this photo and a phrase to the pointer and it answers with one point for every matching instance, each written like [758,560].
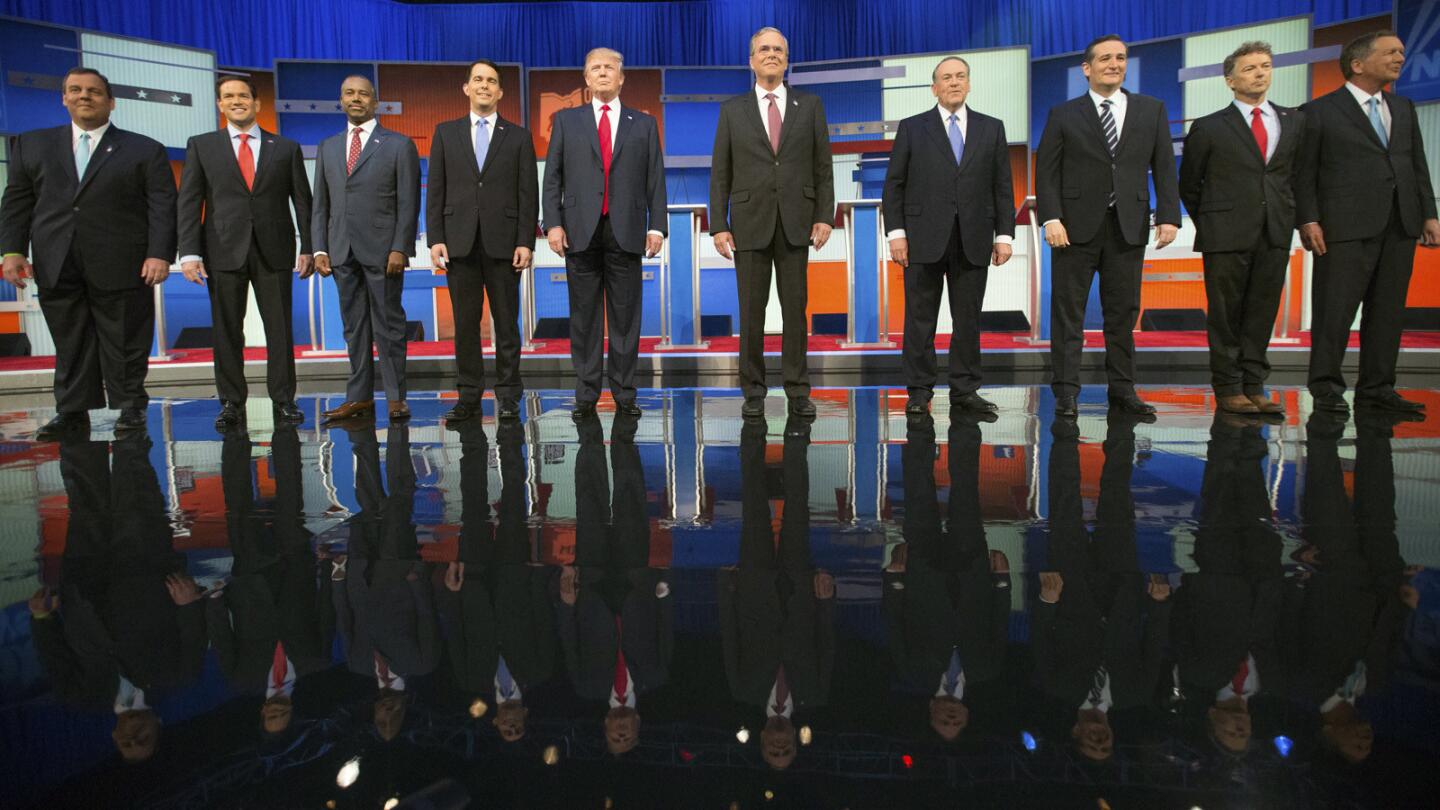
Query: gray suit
[358,219]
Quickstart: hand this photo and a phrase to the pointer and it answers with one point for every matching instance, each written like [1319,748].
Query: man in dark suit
[771,197]
[367,199]
[1096,157]
[948,190]
[605,185]
[1235,181]
[480,223]
[243,180]
[98,205]
[1362,197]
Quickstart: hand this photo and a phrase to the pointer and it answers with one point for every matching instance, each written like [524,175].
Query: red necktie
[247,161]
[1237,684]
[774,120]
[383,669]
[622,676]
[277,666]
[606,149]
[1258,128]
[354,152]
[782,691]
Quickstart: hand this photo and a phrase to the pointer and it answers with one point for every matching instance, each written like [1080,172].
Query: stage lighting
[349,772]
[907,760]
[392,803]
[478,708]
[1283,745]
[743,735]
[806,735]
[551,756]
[1028,740]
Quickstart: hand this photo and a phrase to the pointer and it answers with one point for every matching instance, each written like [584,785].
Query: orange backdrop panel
[431,94]
[554,90]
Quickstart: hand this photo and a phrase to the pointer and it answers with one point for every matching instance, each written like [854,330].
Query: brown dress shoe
[1264,404]
[399,411]
[1237,403]
[350,410]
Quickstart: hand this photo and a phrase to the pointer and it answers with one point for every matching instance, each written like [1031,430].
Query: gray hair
[768,30]
[936,72]
[611,52]
[1245,49]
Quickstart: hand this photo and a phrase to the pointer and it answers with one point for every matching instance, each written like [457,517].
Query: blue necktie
[957,141]
[482,143]
[952,675]
[1377,123]
[503,677]
[82,155]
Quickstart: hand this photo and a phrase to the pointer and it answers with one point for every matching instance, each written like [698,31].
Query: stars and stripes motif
[330,107]
[44,81]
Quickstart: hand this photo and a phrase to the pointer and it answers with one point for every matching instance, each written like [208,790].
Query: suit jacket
[1346,181]
[123,209]
[589,636]
[575,178]
[1232,193]
[500,610]
[926,192]
[372,211]
[1075,174]
[234,215]
[750,185]
[475,211]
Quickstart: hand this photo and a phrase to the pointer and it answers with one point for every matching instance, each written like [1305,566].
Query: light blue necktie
[504,679]
[1377,123]
[957,141]
[482,143]
[82,155]
[952,675]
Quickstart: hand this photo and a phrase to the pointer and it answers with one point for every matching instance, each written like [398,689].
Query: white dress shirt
[1118,105]
[781,99]
[1268,118]
[958,692]
[1105,701]
[770,703]
[95,135]
[962,120]
[474,129]
[129,697]
[254,133]
[627,699]
[1251,684]
[1363,99]
[286,687]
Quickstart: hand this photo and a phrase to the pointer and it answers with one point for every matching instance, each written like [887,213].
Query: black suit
[769,202]
[247,238]
[951,214]
[1075,180]
[1244,212]
[1371,201]
[90,237]
[481,215]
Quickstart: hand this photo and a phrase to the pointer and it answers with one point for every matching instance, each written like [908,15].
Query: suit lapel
[377,137]
[591,128]
[785,129]
[622,129]
[102,152]
[65,147]
[973,127]
[752,114]
[1130,121]
[1399,116]
[1087,111]
[1237,124]
[1288,132]
[936,128]
[266,157]
[502,129]
[1351,109]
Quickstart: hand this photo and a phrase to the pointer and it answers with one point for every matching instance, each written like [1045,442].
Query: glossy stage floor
[859,611]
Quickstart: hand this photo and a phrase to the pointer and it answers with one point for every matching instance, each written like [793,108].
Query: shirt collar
[780,93]
[254,132]
[489,119]
[1362,96]
[368,127]
[596,103]
[1116,100]
[95,134]
[963,112]
[1266,111]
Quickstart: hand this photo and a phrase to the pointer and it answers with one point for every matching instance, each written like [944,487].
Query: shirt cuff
[1004,239]
[320,253]
[655,233]
[1047,222]
[191,258]
[8,255]
[898,233]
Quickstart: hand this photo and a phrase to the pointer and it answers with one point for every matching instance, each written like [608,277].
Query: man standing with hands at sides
[95,206]
[367,204]
[948,188]
[1094,200]
[772,196]
[243,181]
[480,216]
[1235,181]
[604,185]
[1362,196]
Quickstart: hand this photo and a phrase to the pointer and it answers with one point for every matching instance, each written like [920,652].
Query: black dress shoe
[629,409]
[583,410]
[229,415]
[1389,401]
[508,408]
[288,413]
[462,411]
[917,406]
[65,424]
[802,406]
[130,419]
[1130,403]
[1334,403]
[1067,407]
[973,402]
[753,408]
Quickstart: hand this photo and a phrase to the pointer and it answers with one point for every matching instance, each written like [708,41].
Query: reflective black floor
[690,610]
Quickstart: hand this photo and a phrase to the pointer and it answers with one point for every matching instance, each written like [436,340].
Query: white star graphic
[141,94]
[175,98]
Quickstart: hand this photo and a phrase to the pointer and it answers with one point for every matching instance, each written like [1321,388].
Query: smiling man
[236,193]
[1092,185]
[95,206]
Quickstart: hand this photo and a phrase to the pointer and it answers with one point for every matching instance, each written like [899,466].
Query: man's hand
[1056,236]
[43,603]
[900,251]
[395,263]
[653,243]
[725,245]
[521,259]
[824,585]
[440,256]
[154,271]
[305,265]
[17,269]
[322,265]
[1165,234]
[454,576]
[1158,588]
[558,240]
[1430,233]
[569,584]
[820,234]
[182,588]
[1051,586]
[194,272]
[1000,253]
[1312,236]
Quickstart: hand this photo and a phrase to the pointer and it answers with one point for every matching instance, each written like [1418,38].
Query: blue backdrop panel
[846,102]
[313,83]
[683,329]
[33,60]
[1415,21]
[866,249]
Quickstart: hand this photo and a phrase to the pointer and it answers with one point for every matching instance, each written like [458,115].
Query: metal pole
[848,213]
[528,313]
[1034,339]
[1283,336]
[665,271]
[883,339]
[161,344]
